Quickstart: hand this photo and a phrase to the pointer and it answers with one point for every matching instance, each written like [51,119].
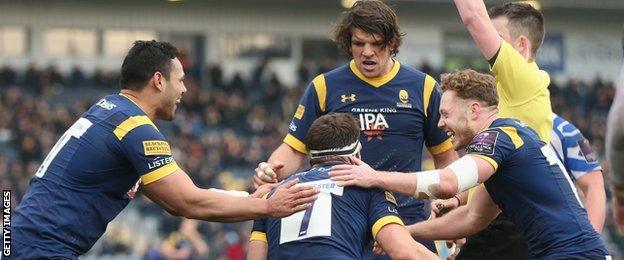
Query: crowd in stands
[222,129]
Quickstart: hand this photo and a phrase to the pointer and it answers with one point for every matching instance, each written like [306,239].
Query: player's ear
[524,45]
[157,81]
[474,109]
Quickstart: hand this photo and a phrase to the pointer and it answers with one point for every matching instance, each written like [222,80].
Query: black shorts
[500,240]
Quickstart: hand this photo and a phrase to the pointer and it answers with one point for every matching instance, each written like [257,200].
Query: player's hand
[289,199]
[378,250]
[618,214]
[358,174]
[441,207]
[266,173]
[263,190]
[455,247]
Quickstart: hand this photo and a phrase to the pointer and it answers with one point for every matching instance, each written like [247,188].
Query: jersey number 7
[313,222]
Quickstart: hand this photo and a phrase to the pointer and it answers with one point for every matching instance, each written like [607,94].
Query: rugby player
[92,172]
[397,105]
[522,177]
[343,220]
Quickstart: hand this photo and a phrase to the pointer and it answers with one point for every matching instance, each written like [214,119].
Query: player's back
[339,225]
[532,188]
[83,182]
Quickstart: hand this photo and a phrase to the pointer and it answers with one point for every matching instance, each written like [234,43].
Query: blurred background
[247,63]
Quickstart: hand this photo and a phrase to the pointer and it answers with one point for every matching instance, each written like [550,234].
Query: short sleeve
[519,80]
[436,140]
[149,153]
[258,231]
[311,106]
[495,145]
[580,158]
[382,210]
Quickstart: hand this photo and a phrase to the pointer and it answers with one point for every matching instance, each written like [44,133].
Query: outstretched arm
[442,183]
[474,15]
[177,194]
[461,222]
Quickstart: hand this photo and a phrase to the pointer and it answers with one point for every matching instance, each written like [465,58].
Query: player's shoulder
[564,127]
[339,73]
[127,118]
[504,130]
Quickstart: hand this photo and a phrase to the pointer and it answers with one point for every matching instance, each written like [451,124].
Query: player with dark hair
[521,176]
[343,220]
[397,105]
[93,171]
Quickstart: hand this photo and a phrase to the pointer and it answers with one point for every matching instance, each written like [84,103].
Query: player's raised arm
[177,194]
[474,15]
[461,222]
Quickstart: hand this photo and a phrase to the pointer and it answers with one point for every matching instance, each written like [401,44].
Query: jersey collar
[378,81]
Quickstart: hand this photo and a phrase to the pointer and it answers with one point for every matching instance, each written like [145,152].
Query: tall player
[522,177]
[397,105]
[343,219]
[87,177]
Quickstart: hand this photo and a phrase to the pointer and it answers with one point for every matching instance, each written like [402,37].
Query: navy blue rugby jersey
[339,225]
[398,113]
[533,189]
[89,176]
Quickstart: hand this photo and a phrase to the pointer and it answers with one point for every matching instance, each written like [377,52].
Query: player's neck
[331,160]
[142,103]
[488,120]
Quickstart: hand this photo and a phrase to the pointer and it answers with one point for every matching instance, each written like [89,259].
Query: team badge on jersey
[483,143]
[344,98]
[404,98]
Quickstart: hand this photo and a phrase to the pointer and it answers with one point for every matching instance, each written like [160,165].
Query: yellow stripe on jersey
[385,221]
[443,147]
[523,90]
[427,89]
[258,236]
[131,123]
[295,143]
[488,159]
[159,173]
[378,81]
[512,132]
[321,90]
